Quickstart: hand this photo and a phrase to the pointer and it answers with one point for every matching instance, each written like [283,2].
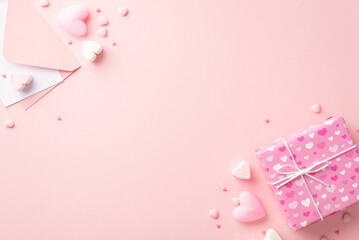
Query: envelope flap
[30,40]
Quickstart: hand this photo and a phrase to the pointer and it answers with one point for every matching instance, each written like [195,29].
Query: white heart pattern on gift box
[308,146]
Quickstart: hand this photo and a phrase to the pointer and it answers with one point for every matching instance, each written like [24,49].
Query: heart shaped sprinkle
[250,208]
[9,123]
[72,19]
[316,108]
[102,32]
[243,171]
[123,11]
[213,213]
[20,80]
[90,50]
[102,21]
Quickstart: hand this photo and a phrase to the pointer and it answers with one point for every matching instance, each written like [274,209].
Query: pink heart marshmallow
[20,80]
[72,19]
[250,208]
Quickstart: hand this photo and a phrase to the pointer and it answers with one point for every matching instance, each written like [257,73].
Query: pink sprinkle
[98,10]
[337,232]
[59,118]
[114,44]
[224,189]
[4,75]
[358,130]
[264,232]
[267,120]
[218,226]
[70,42]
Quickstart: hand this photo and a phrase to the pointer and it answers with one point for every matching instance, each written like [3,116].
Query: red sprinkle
[337,232]
[4,75]
[224,189]
[70,42]
[98,10]
[218,226]
[59,118]
[267,120]
[114,44]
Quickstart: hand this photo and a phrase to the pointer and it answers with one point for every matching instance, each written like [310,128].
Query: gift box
[313,172]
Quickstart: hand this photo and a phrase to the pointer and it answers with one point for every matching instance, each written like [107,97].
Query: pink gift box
[313,172]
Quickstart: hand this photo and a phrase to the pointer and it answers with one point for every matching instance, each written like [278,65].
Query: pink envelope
[30,40]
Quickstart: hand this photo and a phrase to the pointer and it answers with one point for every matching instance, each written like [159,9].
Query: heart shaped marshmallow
[250,208]
[271,234]
[72,19]
[243,171]
[316,108]
[123,11]
[213,213]
[102,31]
[9,123]
[102,21]
[347,217]
[44,3]
[90,50]
[20,80]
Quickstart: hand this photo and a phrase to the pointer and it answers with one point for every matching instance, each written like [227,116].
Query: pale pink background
[151,132]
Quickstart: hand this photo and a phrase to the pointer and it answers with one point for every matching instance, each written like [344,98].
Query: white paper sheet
[42,78]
